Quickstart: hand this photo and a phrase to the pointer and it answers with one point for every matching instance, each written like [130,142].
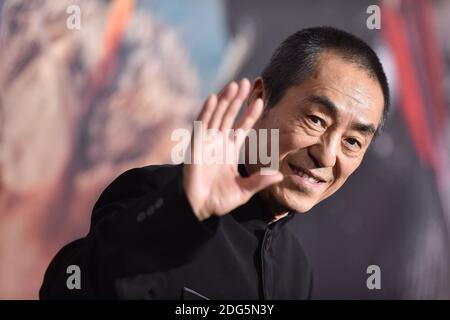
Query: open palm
[213,185]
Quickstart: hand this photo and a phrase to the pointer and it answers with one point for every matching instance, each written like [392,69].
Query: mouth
[306,177]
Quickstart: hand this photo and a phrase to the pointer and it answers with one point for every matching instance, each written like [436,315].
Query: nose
[324,153]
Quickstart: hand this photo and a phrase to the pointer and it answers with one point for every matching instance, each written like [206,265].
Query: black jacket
[146,243]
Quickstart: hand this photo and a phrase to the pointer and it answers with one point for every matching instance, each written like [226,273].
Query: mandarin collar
[255,210]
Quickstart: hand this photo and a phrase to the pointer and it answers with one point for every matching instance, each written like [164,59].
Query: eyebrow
[330,106]
[366,129]
[325,102]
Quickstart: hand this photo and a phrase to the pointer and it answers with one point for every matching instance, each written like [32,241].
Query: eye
[353,143]
[316,121]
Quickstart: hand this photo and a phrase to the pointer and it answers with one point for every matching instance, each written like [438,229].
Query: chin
[291,200]
[297,203]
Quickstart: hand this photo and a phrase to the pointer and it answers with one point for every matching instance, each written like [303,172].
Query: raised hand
[217,188]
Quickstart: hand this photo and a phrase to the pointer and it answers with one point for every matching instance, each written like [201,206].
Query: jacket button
[268,240]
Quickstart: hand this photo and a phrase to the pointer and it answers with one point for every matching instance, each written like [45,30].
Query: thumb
[257,181]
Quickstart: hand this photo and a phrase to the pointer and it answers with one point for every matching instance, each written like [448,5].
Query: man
[220,231]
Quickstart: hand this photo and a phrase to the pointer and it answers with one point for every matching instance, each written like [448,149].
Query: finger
[235,105]
[223,102]
[207,110]
[248,120]
[257,182]
[224,90]
[250,116]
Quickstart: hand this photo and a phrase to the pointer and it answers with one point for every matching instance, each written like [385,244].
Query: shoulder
[138,181]
[134,184]
[148,175]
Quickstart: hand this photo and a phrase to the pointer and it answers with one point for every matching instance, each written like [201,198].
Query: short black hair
[295,59]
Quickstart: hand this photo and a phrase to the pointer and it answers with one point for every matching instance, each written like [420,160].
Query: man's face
[326,125]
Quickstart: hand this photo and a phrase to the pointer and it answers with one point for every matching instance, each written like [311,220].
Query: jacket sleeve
[139,225]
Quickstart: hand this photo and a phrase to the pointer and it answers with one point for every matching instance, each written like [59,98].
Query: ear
[258,90]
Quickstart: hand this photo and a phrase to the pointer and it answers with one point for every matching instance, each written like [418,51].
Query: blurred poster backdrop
[82,101]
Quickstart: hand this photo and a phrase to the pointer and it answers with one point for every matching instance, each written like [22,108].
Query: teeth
[305,175]
[312,180]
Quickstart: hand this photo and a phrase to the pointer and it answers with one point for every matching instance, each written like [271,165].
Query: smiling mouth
[306,176]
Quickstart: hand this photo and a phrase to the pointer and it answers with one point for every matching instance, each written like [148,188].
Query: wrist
[196,206]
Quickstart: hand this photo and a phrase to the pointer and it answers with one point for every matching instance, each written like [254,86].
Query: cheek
[293,138]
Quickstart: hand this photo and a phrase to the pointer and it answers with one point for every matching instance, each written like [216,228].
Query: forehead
[354,92]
